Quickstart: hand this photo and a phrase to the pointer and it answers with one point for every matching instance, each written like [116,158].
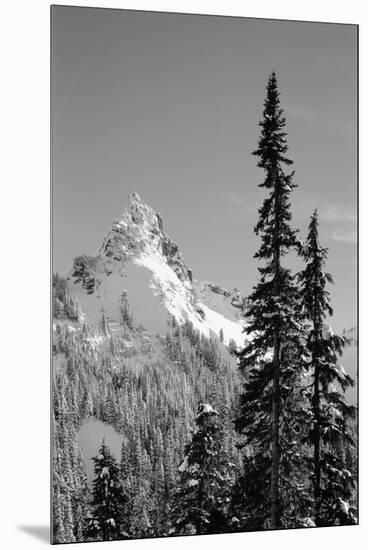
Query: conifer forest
[226,424]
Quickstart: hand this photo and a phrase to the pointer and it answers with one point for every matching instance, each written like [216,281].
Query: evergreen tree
[58,532]
[107,497]
[127,490]
[200,502]
[141,526]
[68,519]
[272,360]
[104,324]
[126,316]
[330,436]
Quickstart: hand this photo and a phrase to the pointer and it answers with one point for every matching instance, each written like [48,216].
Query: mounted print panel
[204,367]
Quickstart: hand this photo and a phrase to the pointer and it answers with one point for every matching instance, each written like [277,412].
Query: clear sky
[168,105]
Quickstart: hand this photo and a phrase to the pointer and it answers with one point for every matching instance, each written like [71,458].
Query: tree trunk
[275,501]
[316,432]
[317,464]
[275,464]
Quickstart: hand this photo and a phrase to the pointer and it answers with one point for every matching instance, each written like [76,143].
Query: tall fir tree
[200,501]
[272,360]
[107,500]
[126,316]
[126,479]
[330,435]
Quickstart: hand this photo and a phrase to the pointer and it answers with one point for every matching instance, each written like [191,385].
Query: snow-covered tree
[126,480]
[330,435]
[107,497]
[273,358]
[141,525]
[201,500]
[104,325]
[126,316]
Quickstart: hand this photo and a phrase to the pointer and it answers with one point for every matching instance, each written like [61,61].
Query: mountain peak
[141,212]
[139,232]
[135,202]
[135,197]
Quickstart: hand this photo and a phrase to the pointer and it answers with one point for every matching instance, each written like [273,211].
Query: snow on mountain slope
[216,322]
[229,303]
[138,239]
[178,299]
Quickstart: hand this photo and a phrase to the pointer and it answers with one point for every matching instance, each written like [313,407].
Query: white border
[24,372]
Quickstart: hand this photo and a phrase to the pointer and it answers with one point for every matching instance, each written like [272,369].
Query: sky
[168,105]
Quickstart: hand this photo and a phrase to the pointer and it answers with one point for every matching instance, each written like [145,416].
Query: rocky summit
[139,232]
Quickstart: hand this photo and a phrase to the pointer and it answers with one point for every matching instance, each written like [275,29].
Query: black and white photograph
[204,369]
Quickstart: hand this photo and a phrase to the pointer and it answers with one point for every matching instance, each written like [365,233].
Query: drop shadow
[40,532]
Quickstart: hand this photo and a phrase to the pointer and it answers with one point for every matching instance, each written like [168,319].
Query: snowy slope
[178,299]
[215,322]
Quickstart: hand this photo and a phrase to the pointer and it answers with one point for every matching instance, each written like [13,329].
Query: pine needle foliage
[108,499]
[201,500]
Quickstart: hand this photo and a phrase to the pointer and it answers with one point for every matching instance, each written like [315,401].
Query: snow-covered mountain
[138,260]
